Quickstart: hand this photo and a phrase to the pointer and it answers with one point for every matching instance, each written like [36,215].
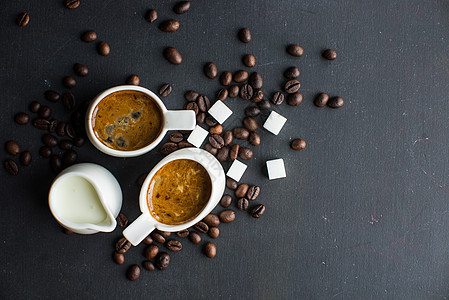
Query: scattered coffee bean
[250,123]
[53,125]
[181,7]
[277,98]
[245,35]
[234,91]
[133,272]
[122,220]
[210,121]
[174,245]
[169,26]
[226,201]
[162,261]
[210,70]
[335,102]
[45,151]
[252,111]
[246,92]
[41,124]
[231,183]
[52,95]
[226,78]
[12,147]
[245,153]
[223,154]
[69,82]
[176,137]
[11,167]
[25,158]
[23,19]
[151,251]
[227,137]
[257,211]
[122,245]
[156,236]
[168,148]
[191,95]
[65,144]
[203,103]
[103,48]
[241,133]
[192,106]
[184,144]
[210,250]
[216,141]
[241,191]
[295,50]
[69,100]
[254,138]
[201,117]
[211,149]
[298,144]
[148,265]
[330,54]
[255,80]
[292,86]
[264,104]
[22,118]
[234,152]
[173,55]
[133,80]
[292,73]
[80,70]
[222,94]
[211,220]
[294,99]
[34,106]
[258,96]
[253,192]
[242,204]
[249,60]
[89,36]
[214,232]
[195,237]
[119,258]
[165,234]
[44,112]
[165,90]
[201,227]
[217,129]
[321,100]
[240,76]
[70,157]
[60,129]
[183,233]
[227,216]
[79,141]
[72,4]
[49,140]
[151,15]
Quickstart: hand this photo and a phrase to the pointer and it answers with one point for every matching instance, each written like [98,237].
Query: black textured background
[363,213]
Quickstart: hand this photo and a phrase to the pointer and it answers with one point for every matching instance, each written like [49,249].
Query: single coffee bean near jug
[226,201]
[133,272]
[210,250]
[133,80]
[162,261]
[210,70]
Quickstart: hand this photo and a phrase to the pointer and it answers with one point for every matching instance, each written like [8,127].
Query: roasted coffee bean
[165,234]
[41,124]
[210,121]
[44,112]
[212,220]
[298,144]
[245,35]
[174,245]
[241,133]
[69,82]
[295,50]
[70,131]
[240,76]
[69,100]
[249,60]
[228,137]
[250,123]
[211,149]
[103,48]
[119,258]
[258,96]
[203,103]
[66,231]
[70,157]
[12,147]
[184,144]
[89,36]
[45,151]
[60,129]
[225,201]
[80,70]
[49,140]
[245,153]
[335,102]
[23,19]
[79,141]
[148,265]
[246,92]
[168,148]
[294,99]
[151,251]
[201,117]
[176,137]
[242,204]
[25,158]
[191,95]
[321,100]
[223,154]
[216,141]
[151,15]
[330,54]
[192,106]
[169,26]
[257,211]
[165,90]
[162,261]
[72,4]
[181,7]
[227,216]
[52,95]
[222,94]
[133,272]
[292,73]
[183,233]
[173,55]
[11,167]
[22,118]
[292,86]
[122,220]
[156,236]
[53,125]
[234,152]
[241,191]
[264,104]
[65,144]
[201,227]
[255,80]
[34,106]
[195,237]
[277,98]
[226,78]
[133,80]
[252,111]
[254,138]
[210,70]
[122,245]
[217,129]
[234,91]
[214,232]
[253,192]
[231,183]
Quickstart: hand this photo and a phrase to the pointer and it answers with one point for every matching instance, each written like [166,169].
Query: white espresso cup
[146,223]
[172,120]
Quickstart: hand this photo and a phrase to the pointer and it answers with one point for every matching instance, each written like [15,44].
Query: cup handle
[139,229]
[180,120]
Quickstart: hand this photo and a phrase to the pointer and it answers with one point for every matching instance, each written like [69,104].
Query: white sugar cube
[197,136]
[276,169]
[236,170]
[274,123]
[220,111]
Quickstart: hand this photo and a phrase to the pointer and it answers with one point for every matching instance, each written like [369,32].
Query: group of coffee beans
[244,194]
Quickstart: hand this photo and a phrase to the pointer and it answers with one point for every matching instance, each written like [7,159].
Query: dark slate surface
[363,213]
